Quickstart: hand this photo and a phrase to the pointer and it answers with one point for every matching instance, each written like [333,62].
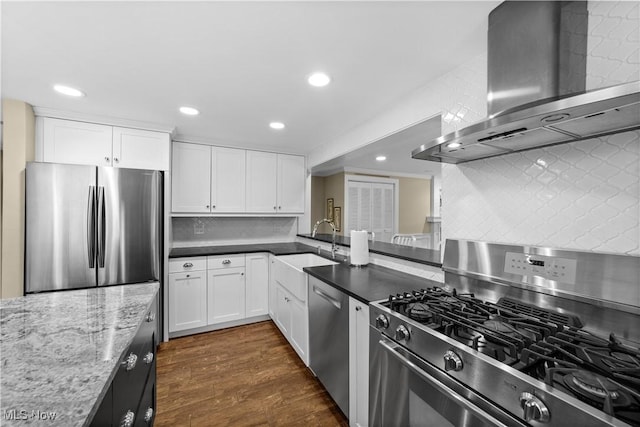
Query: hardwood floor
[243,376]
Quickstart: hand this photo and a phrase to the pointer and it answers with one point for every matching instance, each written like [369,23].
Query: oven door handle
[461,401]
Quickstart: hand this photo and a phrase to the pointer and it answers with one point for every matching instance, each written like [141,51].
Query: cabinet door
[141,149]
[300,329]
[261,181]
[291,183]
[358,363]
[272,289]
[225,295]
[257,285]
[228,177]
[282,311]
[187,300]
[66,141]
[190,177]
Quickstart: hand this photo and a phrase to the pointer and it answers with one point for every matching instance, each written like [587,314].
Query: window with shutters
[371,204]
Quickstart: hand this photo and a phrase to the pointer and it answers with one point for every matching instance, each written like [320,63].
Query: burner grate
[553,316]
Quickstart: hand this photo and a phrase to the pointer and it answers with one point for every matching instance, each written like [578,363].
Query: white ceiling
[397,149]
[242,64]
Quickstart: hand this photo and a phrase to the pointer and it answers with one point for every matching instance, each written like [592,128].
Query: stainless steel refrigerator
[91,226]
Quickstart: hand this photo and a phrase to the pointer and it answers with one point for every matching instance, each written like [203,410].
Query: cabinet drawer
[179,265]
[225,261]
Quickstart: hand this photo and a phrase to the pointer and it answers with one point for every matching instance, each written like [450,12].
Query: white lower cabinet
[207,293]
[187,300]
[225,295]
[358,363]
[290,312]
[257,284]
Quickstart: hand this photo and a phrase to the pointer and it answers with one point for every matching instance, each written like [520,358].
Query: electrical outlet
[198,227]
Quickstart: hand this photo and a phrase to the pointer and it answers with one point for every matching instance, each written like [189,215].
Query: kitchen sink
[300,261]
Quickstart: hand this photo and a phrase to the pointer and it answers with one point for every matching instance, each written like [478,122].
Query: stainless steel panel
[606,280]
[129,225]
[536,50]
[329,340]
[59,209]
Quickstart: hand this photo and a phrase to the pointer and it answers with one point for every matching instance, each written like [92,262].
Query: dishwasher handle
[337,304]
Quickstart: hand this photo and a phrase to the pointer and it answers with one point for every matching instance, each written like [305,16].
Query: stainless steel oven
[408,391]
[517,335]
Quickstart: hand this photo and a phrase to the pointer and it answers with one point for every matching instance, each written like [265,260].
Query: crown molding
[104,120]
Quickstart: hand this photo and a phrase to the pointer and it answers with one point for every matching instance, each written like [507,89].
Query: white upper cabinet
[291,183]
[140,149]
[218,180]
[68,141]
[275,183]
[190,178]
[228,174]
[262,178]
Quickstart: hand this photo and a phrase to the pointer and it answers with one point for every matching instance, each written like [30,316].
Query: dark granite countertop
[369,283]
[419,255]
[274,248]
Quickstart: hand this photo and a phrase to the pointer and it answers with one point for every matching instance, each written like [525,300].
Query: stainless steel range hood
[536,97]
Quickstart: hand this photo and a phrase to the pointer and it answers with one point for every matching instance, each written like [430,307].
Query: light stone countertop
[59,351]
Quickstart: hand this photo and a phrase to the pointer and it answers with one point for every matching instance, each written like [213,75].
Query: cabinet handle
[242,274]
[358,308]
[127,419]
[213,206]
[226,262]
[279,207]
[148,358]
[188,275]
[148,414]
[151,317]
[130,362]
[106,159]
[274,208]
[207,206]
[115,159]
[187,265]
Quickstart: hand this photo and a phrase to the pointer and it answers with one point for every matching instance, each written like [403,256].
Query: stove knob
[452,361]
[402,333]
[534,408]
[382,322]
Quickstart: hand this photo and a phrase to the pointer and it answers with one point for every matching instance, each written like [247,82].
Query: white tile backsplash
[205,231]
[583,195]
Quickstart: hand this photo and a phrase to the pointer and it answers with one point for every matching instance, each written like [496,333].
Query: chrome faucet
[334,248]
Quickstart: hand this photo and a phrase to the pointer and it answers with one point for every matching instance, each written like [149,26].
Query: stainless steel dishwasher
[329,340]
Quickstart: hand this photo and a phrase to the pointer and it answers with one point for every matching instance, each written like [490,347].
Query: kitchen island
[61,350]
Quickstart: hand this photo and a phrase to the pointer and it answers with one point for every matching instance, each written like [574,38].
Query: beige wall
[414,205]
[323,188]
[18,136]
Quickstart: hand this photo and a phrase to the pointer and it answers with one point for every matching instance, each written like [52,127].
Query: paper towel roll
[359,247]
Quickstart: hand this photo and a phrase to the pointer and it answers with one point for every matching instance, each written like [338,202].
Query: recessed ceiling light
[319,79]
[189,111]
[276,125]
[381,158]
[453,145]
[69,91]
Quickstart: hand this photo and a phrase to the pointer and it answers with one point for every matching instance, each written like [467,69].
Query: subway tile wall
[208,231]
[583,195]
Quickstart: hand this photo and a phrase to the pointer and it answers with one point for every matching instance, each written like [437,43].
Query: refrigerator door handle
[102,227]
[91,226]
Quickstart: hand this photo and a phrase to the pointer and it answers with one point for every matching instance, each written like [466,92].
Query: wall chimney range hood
[536,87]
